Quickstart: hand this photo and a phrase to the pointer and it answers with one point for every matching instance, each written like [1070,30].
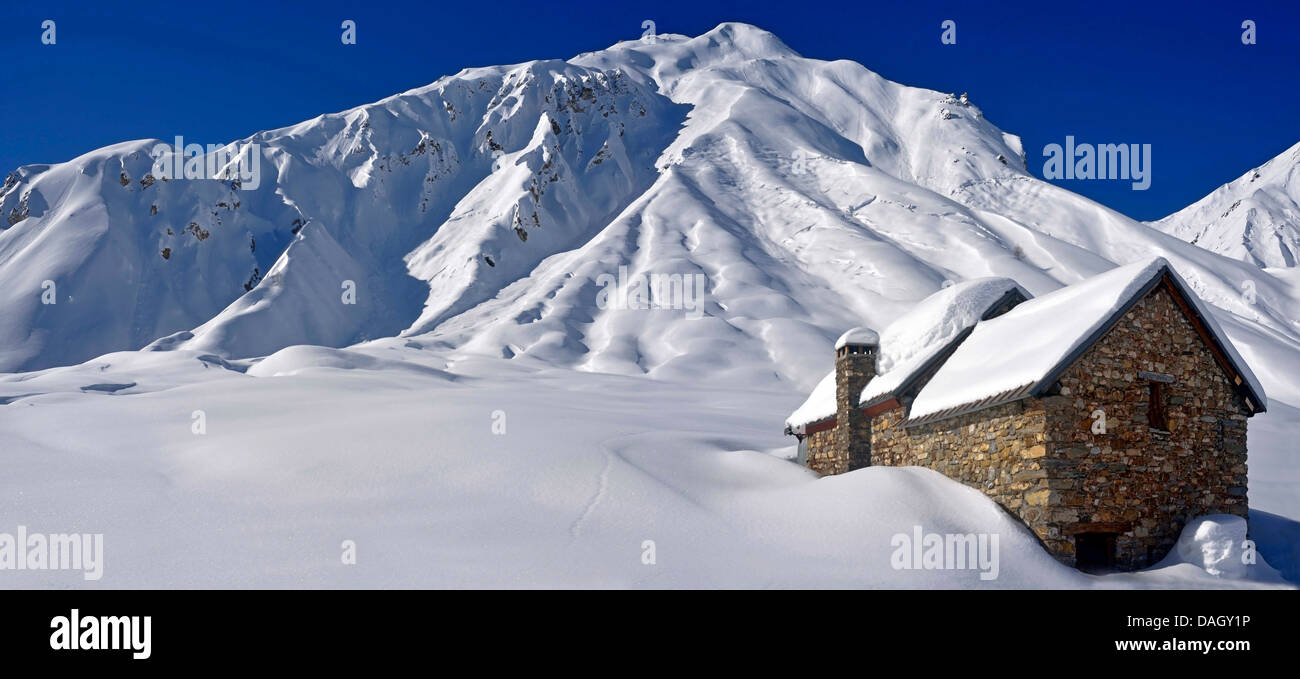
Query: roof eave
[1010,396]
[943,354]
[1162,274]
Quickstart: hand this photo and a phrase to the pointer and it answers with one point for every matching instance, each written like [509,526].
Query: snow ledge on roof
[859,336]
[916,338]
[1053,327]
[820,404]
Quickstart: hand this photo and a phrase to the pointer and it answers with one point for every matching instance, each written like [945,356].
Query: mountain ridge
[1254,218]
[477,213]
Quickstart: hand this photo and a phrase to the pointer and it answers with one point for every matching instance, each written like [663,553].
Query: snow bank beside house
[507,476]
[1215,543]
[531,478]
[1218,545]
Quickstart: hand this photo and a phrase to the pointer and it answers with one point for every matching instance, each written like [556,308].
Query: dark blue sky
[1174,75]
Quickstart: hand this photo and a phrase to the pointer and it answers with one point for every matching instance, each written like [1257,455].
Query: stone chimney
[855,365]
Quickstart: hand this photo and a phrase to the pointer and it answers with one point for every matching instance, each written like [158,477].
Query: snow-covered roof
[1022,352]
[918,337]
[1017,354]
[819,405]
[859,335]
[910,342]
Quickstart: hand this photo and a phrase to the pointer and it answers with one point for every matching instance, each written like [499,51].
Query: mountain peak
[516,211]
[1254,218]
[747,39]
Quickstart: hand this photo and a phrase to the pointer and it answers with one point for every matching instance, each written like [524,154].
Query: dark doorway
[1094,552]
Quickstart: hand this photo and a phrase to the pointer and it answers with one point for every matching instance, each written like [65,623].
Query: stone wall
[847,445]
[999,451]
[1145,483]
[1040,458]
[822,456]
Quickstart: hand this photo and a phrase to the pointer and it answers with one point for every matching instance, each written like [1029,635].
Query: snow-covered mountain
[480,214]
[1254,218]
[483,218]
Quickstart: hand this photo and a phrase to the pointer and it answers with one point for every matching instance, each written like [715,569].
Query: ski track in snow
[602,486]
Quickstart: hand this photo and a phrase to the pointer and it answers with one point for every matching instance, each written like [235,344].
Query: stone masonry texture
[1050,461]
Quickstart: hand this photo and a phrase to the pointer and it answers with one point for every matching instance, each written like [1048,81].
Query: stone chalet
[1105,415]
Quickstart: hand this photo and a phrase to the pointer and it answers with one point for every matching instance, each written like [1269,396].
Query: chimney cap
[859,336]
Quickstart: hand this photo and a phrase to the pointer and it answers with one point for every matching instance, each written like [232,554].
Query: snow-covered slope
[486,473]
[469,182]
[479,219]
[1255,218]
[481,213]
